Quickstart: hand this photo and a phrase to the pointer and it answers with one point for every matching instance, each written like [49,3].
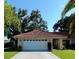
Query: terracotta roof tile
[38,33]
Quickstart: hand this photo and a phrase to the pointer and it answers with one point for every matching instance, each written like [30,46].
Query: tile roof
[38,33]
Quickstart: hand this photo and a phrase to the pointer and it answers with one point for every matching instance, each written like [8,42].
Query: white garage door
[35,45]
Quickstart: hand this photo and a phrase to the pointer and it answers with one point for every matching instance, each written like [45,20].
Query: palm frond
[69,6]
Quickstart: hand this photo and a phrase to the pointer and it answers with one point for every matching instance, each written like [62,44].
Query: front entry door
[55,43]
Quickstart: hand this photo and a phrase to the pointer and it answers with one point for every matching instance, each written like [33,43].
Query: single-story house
[38,40]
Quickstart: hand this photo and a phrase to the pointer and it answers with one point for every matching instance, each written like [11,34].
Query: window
[42,40]
[45,40]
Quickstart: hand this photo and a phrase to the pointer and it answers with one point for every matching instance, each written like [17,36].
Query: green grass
[65,54]
[8,55]
[9,52]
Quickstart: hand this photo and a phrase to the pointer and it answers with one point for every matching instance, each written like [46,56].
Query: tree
[69,23]
[37,22]
[11,21]
[25,24]
[71,19]
[22,14]
[61,25]
[34,21]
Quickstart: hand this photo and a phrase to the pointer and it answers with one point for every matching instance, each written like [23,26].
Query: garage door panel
[35,45]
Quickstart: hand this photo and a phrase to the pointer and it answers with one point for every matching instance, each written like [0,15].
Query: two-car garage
[35,45]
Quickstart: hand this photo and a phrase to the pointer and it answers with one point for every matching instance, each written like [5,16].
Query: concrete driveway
[35,55]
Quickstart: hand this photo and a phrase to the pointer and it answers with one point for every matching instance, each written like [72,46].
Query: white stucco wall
[20,42]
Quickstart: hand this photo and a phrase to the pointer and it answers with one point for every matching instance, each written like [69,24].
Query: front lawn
[8,55]
[9,52]
[65,54]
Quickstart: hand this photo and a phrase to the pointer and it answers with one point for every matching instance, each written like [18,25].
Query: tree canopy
[11,21]
[67,23]
[61,25]
[37,21]
[32,21]
[20,21]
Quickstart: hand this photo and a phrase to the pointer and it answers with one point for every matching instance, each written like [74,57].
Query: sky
[50,9]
